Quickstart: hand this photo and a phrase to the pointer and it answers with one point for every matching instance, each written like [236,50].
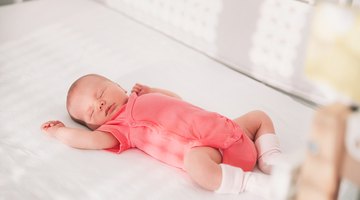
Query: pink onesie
[166,128]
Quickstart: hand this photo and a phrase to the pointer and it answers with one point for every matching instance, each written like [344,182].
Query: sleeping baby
[218,153]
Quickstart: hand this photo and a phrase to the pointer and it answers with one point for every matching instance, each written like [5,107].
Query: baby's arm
[143,89]
[79,138]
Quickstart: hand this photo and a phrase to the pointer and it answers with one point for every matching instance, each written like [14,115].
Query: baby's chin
[108,118]
[93,126]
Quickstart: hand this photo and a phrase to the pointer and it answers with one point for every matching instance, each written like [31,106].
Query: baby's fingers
[137,88]
[49,124]
[45,125]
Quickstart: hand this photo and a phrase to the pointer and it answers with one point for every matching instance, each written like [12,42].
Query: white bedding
[39,62]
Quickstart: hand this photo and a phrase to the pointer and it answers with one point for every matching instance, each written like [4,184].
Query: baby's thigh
[202,165]
[204,156]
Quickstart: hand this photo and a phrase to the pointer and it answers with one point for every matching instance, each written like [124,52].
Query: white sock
[269,151]
[235,180]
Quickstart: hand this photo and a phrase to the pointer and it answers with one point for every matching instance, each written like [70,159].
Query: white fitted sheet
[37,67]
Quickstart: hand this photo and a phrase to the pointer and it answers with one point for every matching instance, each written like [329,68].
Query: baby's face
[96,100]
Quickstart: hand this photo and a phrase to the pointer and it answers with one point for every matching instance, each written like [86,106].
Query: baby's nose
[101,104]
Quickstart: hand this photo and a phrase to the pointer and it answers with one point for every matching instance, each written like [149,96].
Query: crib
[191,48]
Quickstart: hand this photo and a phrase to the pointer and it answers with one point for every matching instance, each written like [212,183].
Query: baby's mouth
[109,109]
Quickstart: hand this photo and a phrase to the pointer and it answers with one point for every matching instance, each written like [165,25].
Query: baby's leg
[258,126]
[203,166]
[255,124]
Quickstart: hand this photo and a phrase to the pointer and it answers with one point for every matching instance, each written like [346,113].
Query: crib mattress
[50,43]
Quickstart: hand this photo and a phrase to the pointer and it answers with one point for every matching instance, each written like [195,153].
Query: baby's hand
[51,127]
[141,89]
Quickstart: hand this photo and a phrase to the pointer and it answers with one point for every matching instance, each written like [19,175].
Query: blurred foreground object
[320,173]
[333,62]
[333,54]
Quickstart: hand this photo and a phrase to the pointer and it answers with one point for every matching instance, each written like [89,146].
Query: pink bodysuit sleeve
[123,141]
